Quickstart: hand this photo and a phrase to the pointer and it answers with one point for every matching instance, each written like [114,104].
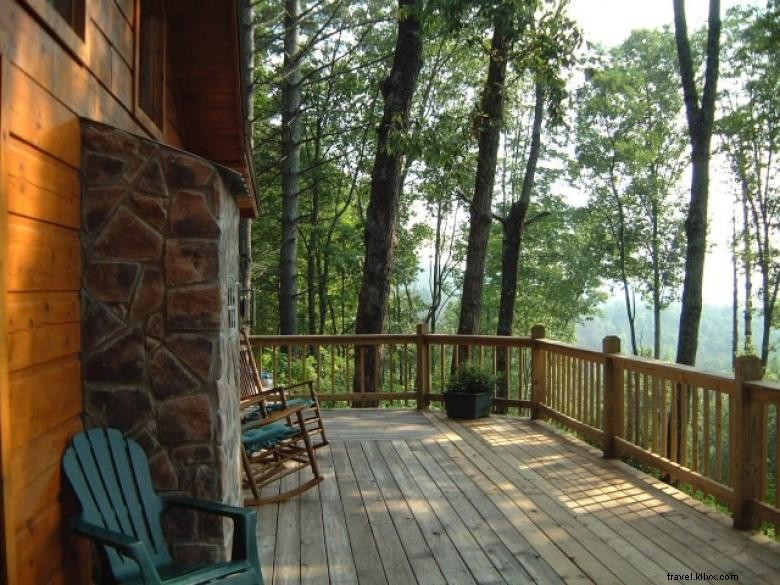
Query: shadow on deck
[417,498]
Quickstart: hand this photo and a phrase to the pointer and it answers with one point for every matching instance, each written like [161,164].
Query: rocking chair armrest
[309,383]
[124,544]
[245,524]
[251,401]
[275,416]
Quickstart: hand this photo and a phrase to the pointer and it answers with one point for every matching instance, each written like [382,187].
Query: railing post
[748,434]
[423,368]
[613,397]
[538,372]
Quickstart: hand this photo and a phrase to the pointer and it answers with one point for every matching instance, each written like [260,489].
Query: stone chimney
[159,311]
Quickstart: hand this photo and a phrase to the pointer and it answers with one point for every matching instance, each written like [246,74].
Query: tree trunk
[383,208]
[734,292]
[656,284]
[700,118]
[489,126]
[748,265]
[245,224]
[512,230]
[245,270]
[291,169]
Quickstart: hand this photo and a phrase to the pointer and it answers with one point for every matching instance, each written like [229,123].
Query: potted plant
[469,392]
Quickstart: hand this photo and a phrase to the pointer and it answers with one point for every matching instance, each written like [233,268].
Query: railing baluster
[719,437]
[666,419]
[600,402]
[695,429]
[275,359]
[673,403]
[777,463]
[706,449]
[656,411]
[646,413]
[577,412]
[442,359]
[684,399]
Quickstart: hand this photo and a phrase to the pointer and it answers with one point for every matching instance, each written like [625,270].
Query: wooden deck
[416,498]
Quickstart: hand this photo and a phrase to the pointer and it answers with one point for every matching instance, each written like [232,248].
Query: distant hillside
[714,336]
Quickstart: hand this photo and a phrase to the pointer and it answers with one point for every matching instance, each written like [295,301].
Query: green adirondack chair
[120,511]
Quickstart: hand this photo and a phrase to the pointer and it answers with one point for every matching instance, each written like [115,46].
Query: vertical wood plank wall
[44,89]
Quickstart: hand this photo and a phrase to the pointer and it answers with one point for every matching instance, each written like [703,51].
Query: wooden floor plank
[494,501]
[630,545]
[655,517]
[485,511]
[368,563]
[287,555]
[267,517]
[450,563]
[341,564]
[396,566]
[571,541]
[465,538]
[314,559]
[422,560]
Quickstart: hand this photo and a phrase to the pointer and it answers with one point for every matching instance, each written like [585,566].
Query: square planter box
[467,405]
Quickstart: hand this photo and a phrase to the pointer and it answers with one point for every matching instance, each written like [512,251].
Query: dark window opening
[151,60]
[73,13]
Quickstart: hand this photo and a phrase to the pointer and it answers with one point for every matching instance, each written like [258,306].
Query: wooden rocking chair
[274,435]
[121,512]
[279,397]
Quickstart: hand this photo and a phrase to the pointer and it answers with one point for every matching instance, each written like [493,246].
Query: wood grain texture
[498,500]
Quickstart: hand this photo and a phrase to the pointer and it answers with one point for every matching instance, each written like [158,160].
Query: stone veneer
[160,342]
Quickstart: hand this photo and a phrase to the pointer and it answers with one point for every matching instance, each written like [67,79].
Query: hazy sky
[609,22]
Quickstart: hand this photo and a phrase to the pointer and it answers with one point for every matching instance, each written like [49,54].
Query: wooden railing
[717,434]
[414,368]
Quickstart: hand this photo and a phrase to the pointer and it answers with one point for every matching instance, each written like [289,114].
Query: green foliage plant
[471,379]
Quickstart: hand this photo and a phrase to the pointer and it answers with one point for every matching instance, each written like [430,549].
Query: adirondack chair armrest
[233,512]
[244,521]
[124,544]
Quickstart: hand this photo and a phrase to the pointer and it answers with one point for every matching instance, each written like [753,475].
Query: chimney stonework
[160,342]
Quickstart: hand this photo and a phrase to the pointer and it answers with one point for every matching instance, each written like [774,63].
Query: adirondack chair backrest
[110,476]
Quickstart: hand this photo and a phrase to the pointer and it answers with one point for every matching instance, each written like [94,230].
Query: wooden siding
[207,75]
[45,88]
[47,84]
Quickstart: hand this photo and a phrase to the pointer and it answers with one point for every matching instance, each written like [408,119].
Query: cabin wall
[48,82]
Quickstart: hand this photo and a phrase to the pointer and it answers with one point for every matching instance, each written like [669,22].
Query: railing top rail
[478,339]
[363,339]
[680,373]
[572,350]
[765,390]
[390,338]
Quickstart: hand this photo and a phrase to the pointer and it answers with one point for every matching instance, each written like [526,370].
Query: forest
[480,166]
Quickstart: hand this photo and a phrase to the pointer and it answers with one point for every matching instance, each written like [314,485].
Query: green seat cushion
[267,436]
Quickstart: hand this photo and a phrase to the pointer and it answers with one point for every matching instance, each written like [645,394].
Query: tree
[629,158]
[383,208]
[700,114]
[548,48]
[342,48]
[291,169]
[750,132]
[488,119]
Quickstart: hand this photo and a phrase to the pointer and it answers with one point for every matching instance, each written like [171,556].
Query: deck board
[412,497]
